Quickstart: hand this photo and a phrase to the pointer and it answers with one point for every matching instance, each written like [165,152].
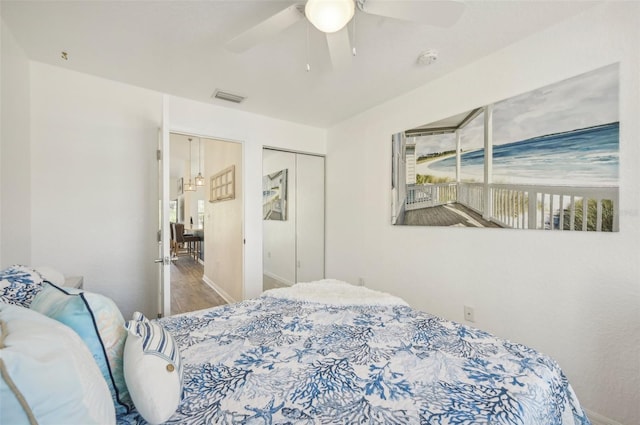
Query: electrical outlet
[469,314]
[360,281]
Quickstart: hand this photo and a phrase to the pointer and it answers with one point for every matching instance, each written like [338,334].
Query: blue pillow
[100,324]
[19,285]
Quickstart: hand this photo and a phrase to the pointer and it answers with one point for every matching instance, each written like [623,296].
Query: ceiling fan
[332,17]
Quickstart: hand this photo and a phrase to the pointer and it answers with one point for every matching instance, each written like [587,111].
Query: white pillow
[48,374]
[152,369]
[51,275]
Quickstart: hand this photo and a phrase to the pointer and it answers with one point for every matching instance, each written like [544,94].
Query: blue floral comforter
[278,361]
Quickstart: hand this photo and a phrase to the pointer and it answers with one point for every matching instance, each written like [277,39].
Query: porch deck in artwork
[512,206]
[452,215]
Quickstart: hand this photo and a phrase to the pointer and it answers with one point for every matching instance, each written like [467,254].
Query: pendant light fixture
[189,186]
[199,178]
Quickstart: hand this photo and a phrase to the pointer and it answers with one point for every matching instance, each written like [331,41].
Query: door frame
[164,260]
[165,276]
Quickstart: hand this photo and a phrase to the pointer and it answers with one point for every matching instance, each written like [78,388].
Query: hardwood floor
[188,291]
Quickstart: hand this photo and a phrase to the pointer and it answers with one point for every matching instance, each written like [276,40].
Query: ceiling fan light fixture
[329,15]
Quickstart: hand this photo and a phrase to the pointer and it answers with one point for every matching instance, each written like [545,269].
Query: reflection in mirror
[279,236]
[293,218]
[274,195]
[547,159]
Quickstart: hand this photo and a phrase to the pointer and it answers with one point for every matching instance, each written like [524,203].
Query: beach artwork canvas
[547,160]
[274,195]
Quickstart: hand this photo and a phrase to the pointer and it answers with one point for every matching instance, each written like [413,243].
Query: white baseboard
[278,278]
[598,419]
[228,298]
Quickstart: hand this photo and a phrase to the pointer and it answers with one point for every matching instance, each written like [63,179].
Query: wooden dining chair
[184,244]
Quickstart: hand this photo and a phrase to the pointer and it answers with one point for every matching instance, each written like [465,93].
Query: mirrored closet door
[293,217]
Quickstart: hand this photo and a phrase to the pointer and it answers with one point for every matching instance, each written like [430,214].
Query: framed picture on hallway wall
[223,185]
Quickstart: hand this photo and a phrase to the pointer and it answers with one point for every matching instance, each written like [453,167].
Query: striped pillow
[152,369]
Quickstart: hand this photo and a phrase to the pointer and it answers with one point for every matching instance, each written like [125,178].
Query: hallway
[188,291]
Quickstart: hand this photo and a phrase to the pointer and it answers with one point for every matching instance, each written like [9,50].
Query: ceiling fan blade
[340,49]
[267,28]
[441,13]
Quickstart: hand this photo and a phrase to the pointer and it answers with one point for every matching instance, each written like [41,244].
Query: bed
[332,353]
[317,353]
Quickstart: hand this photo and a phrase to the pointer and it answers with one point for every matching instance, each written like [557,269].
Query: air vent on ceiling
[230,97]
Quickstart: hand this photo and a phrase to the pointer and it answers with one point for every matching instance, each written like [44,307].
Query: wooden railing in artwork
[430,195]
[524,206]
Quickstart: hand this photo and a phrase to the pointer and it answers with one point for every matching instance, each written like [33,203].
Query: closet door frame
[297,271]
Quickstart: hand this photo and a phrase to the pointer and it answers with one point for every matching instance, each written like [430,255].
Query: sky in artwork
[583,101]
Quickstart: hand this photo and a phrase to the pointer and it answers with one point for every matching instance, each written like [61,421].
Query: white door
[309,218]
[164,260]
[293,248]
[279,234]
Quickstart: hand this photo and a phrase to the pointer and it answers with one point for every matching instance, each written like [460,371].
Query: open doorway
[206,229]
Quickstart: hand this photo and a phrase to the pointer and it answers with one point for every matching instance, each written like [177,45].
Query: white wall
[173,188]
[94,183]
[574,296]
[191,207]
[223,222]
[15,166]
[254,131]
[2,30]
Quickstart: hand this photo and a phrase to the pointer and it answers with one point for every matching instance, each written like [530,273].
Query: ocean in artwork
[582,157]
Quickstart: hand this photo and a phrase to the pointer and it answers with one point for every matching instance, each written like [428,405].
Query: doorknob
[165,261]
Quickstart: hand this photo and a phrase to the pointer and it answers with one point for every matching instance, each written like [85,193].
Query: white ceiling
[177,47]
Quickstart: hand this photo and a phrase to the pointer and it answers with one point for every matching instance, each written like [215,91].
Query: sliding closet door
[293,233]
[279,229]
[309,218]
